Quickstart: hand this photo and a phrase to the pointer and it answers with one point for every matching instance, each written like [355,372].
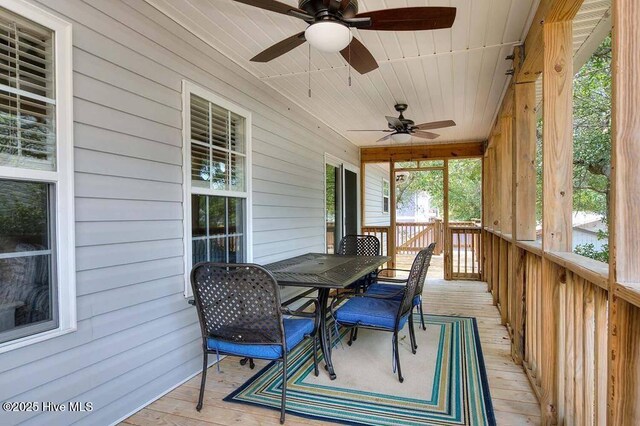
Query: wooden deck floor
[513,399]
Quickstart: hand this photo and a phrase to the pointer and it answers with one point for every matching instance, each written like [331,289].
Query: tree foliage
[591,143]
[465,182]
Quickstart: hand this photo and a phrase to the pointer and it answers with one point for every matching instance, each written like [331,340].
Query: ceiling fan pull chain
[349,63]
[309,71]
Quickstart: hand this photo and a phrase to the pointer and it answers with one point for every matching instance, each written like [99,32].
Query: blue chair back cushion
[371,312]
[388,289]
[295,331]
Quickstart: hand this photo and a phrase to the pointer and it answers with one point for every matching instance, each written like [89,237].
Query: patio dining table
[324,272]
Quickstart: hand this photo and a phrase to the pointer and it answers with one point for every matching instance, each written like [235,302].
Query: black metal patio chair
[388,286]
[384,312]
[241,315]
[359,245]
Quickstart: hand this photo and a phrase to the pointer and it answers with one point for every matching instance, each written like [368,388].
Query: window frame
[189,88]
[63,209]
[387,196]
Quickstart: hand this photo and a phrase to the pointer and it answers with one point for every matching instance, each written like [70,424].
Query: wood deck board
[513,399]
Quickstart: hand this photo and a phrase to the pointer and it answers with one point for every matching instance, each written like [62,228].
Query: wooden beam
[506,167]
[557,146]
[392,214]
[557,190]
[421,152]
[549,11]
[448,262]
[624,317]
[524,163]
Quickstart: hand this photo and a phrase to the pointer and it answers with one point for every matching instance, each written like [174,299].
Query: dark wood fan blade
[359,57]
[276,6]
[280,48]
[435,125]
[395,122]
[386,131]
[384,138]
[410,18]
[425,135]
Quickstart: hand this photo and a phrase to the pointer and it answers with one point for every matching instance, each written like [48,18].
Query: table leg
[325,333]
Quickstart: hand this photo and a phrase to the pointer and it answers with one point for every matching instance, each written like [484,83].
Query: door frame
[342,165]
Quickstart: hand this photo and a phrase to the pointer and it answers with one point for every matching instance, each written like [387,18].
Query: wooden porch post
[447,237]
[624,276]
[392,213]
[557,204]
[523,188]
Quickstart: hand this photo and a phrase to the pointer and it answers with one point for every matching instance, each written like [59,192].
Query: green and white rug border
[488,405]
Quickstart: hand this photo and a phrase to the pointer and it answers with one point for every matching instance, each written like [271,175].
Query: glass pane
[25,293]
[198,215]
[217,214]
[236,215]
[218,169]
[237,137]
[236,249]
[219,126]
[199,251]
[331,207]
[218,250]
[199,119]
[27,132]
[24,218]
[200,168]
[236,182]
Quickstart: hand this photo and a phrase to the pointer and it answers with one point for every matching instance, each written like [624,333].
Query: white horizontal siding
[373,214]
[136,334]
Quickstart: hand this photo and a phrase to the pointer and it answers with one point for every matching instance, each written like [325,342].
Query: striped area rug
[445,382]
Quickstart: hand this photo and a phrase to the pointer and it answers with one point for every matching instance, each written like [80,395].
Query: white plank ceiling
[456,73]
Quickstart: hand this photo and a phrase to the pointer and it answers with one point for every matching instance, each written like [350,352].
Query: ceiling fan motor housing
[320,8]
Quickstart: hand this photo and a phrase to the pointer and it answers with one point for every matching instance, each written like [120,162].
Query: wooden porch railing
[411,237]
[555,308]
[382,233]
[331,236]
[464,251]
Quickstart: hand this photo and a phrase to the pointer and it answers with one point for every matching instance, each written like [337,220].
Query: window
[217,179]
[37,259]
[385,196]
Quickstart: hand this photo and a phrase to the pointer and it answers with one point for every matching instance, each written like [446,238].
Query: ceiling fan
[330,22]
[402,129]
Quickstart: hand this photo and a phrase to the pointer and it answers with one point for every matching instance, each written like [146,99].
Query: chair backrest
[359,245]
[239,303]
[412,283]
[425,268]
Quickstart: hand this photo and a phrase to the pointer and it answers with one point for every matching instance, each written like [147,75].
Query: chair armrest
[393,269]
[400,291]
[392,280]
[315,315]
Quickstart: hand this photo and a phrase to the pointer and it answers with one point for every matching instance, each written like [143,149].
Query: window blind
[217,147]
[27,92]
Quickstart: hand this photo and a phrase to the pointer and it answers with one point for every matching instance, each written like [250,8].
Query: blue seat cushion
[391,289]
[295,331]
[371,312]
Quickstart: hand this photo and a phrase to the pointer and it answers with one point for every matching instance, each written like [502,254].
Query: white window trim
[189,88]
[387,196]
[62,177]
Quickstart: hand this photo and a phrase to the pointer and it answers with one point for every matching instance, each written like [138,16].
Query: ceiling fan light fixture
[328,36]
[401,137]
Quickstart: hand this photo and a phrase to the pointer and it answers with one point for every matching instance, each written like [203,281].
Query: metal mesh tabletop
[324,270]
